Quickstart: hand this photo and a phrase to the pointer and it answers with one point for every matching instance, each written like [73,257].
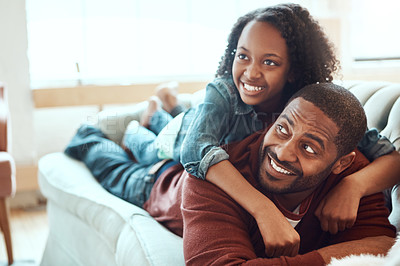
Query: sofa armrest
[126,231]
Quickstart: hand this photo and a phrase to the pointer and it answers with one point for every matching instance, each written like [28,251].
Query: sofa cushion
[127,232]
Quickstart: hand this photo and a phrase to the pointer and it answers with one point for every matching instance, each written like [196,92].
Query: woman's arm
[203,129]
[279,236]
[337,215]
[202,157]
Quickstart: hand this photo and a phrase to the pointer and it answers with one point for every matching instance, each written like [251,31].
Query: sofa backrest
[381,101]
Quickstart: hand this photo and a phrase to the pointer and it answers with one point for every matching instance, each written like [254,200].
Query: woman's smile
[252,90]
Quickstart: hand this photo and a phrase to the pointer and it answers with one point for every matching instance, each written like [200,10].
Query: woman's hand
[338,210]
[279,236]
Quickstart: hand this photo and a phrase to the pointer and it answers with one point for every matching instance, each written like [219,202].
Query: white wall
[35,132]
[14,71]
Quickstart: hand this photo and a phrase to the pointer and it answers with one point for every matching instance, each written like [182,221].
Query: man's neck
[292,200]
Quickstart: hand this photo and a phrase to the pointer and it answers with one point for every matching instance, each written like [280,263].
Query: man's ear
[343,162]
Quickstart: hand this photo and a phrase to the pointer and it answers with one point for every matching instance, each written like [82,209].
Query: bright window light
[374,30]
[131,41]
[125,41]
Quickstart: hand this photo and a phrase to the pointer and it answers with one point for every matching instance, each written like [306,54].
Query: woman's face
[261,66]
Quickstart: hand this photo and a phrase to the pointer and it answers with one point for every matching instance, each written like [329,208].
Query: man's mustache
[267,151]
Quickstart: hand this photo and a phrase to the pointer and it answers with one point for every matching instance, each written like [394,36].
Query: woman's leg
[111,165]
[155,118]
[159,120]
[140,142]
[168,95]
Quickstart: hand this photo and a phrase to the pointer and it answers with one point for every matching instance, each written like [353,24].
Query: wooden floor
[29,230]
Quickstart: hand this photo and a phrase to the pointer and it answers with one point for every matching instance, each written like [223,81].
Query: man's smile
[278,168]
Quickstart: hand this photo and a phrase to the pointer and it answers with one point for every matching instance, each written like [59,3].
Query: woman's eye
[242,56]
[270,63]
[308,149]
[282,129]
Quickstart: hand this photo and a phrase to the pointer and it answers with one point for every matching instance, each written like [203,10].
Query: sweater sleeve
[219,232]
[371,221]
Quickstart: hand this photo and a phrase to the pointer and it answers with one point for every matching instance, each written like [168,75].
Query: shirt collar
[238,105]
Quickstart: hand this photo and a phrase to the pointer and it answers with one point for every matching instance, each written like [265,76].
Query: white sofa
[89,226]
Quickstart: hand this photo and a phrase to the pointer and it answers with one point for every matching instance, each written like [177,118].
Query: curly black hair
[311,55]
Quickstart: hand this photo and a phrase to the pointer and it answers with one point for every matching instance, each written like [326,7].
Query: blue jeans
[140,140]
[111,165]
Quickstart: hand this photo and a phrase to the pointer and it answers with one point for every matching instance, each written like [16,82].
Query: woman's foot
[148,113]
[167,93]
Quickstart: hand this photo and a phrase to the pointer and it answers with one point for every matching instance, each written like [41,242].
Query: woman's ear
[343,162]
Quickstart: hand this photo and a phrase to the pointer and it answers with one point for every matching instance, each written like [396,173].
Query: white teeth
[252,88]
[279,169]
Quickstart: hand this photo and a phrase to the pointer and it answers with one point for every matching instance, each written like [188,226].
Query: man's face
[298,151]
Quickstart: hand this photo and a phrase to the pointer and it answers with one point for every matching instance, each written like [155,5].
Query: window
[131,41]
[125,41]
[374,33]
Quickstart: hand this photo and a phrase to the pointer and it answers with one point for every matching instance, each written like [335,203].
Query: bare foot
[151,109]
[167,93]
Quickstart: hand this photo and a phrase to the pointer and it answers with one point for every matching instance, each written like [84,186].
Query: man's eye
[270,63]
[282,129]
[308,149]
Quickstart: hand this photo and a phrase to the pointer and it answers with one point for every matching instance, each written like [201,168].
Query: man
[298,160]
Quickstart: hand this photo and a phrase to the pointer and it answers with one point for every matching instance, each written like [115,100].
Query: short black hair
[311,55]
[343,108]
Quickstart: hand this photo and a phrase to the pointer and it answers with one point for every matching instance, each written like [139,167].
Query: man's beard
[299,184]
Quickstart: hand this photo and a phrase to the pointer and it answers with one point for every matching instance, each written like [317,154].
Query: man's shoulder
[203,196]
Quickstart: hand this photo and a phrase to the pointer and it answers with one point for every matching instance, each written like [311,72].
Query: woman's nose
[253,71]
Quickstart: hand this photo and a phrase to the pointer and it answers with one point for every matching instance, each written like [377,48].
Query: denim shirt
[223,118]
[374,145]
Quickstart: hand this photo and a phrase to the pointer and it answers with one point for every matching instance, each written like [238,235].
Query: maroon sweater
[219,231]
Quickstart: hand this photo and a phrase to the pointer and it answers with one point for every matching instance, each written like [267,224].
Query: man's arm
[217,231]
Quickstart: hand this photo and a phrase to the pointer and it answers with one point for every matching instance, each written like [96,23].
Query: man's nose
[286,152]
[253,71]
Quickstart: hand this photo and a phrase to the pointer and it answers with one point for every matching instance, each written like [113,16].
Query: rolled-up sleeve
[210,123]
[374,145]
